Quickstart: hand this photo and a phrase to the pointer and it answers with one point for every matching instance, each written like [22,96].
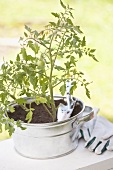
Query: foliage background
[95,19]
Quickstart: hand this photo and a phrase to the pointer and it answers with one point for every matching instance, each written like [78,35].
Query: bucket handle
[87,114]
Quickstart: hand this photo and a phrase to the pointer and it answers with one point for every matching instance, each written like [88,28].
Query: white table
[80,159]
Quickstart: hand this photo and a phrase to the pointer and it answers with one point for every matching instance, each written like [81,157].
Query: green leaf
[11,62]
[71,14]
[77,28]
[80,53]
[18,123]
[83,41]
[69,21]
[21,39]
[18,57]
[62,4]
[21,101]
[74,87]
[87,92]
[2,97]
[22,128]
[33,81]
[29,116]
[68,65]
[53,23]
[30,58]
[36,34]
[41,99]
[28,28]
[11,130]
[59,68]
[72,60]
[94,58]
[92,50]
[25,34]
[6,126]
[11,108]
[62,89]
[24,54]
[34,46]
[67,41]
[55,14]
[58,22]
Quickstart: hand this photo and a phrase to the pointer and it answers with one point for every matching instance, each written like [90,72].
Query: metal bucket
[50,140]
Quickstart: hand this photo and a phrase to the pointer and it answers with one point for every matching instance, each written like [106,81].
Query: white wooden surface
[80,159]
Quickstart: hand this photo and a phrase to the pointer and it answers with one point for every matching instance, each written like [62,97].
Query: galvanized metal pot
[50,140]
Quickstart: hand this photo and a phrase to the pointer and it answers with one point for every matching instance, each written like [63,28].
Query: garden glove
[87,128]
[101,137]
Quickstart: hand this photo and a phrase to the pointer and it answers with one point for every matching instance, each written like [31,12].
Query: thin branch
[48,111]
[37,42]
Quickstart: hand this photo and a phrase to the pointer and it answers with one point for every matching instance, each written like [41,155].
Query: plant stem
[48,111]
[50,82]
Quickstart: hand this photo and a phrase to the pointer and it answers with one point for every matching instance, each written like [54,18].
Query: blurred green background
[96,20]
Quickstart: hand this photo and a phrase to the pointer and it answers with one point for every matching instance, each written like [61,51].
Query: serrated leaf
[62,89]
[59,68]
[83,41]
[30,58]
[25,34]
[67,41]
[21,39]
[11,109]
[62,4]
[92,50]
[28,28]
[72,59]
[69,21]
[87,92]
[74,87]
[33,81]
[11,130]
[11,62]
[67,65]
[23,128]
[41,99]
[29,116]
[6,126]
[94,58]
[71,14]
[53,23]
[68,56]
[77,28]
[31,45]
[21,101]
[18,58]
[80,54]
[18,124]
[36,33]
[55,14]
[24,54]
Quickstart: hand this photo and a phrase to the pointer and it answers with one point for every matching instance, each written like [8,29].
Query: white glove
[87,128]
[102,136]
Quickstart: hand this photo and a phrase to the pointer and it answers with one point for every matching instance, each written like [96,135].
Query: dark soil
[40,115]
